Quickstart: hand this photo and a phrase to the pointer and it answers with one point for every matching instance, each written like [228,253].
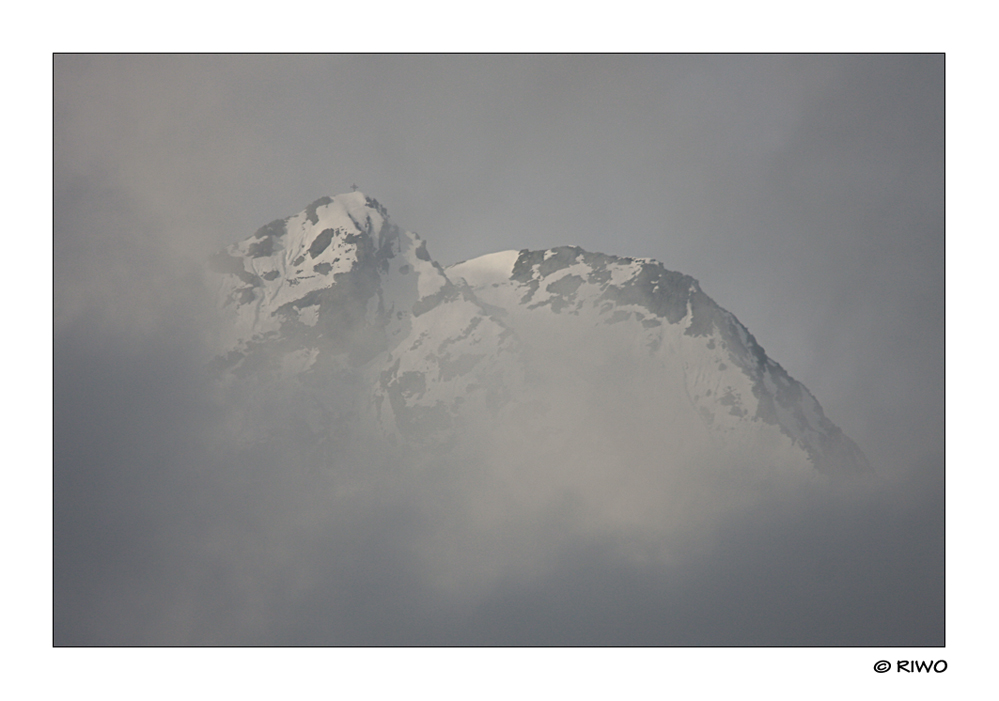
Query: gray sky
[805,193]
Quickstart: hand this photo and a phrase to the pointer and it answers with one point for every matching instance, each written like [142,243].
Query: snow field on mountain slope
[280,281]
[723,396]
[596,359]
[809,433]
[489,278]
[451,357]
[675,376]
[488,269]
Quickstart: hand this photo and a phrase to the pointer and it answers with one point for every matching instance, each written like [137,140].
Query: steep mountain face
[661,323]
[350,318]
[354,313]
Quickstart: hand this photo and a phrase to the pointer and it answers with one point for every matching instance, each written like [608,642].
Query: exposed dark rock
[446,293]
[565,286]
[523,268]
[261,249]
[310,211]
[660,291]
[321,242]
[376,205]
[276,229]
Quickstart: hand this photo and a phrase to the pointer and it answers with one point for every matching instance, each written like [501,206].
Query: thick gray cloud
[804,192]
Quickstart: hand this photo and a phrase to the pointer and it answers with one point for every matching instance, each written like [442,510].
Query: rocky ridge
[371,333]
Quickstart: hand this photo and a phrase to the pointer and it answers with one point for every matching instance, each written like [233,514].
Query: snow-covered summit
[637,309]
[337,293]
[337,296]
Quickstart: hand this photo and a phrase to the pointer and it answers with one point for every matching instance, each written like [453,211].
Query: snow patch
[494,268]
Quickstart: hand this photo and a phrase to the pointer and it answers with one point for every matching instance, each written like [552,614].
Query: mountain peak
[725,374]
[339,287]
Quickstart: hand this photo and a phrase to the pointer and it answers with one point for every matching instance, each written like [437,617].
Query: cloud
[800,192]
[173,528]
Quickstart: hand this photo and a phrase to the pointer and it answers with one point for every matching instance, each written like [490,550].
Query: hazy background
[805,193]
